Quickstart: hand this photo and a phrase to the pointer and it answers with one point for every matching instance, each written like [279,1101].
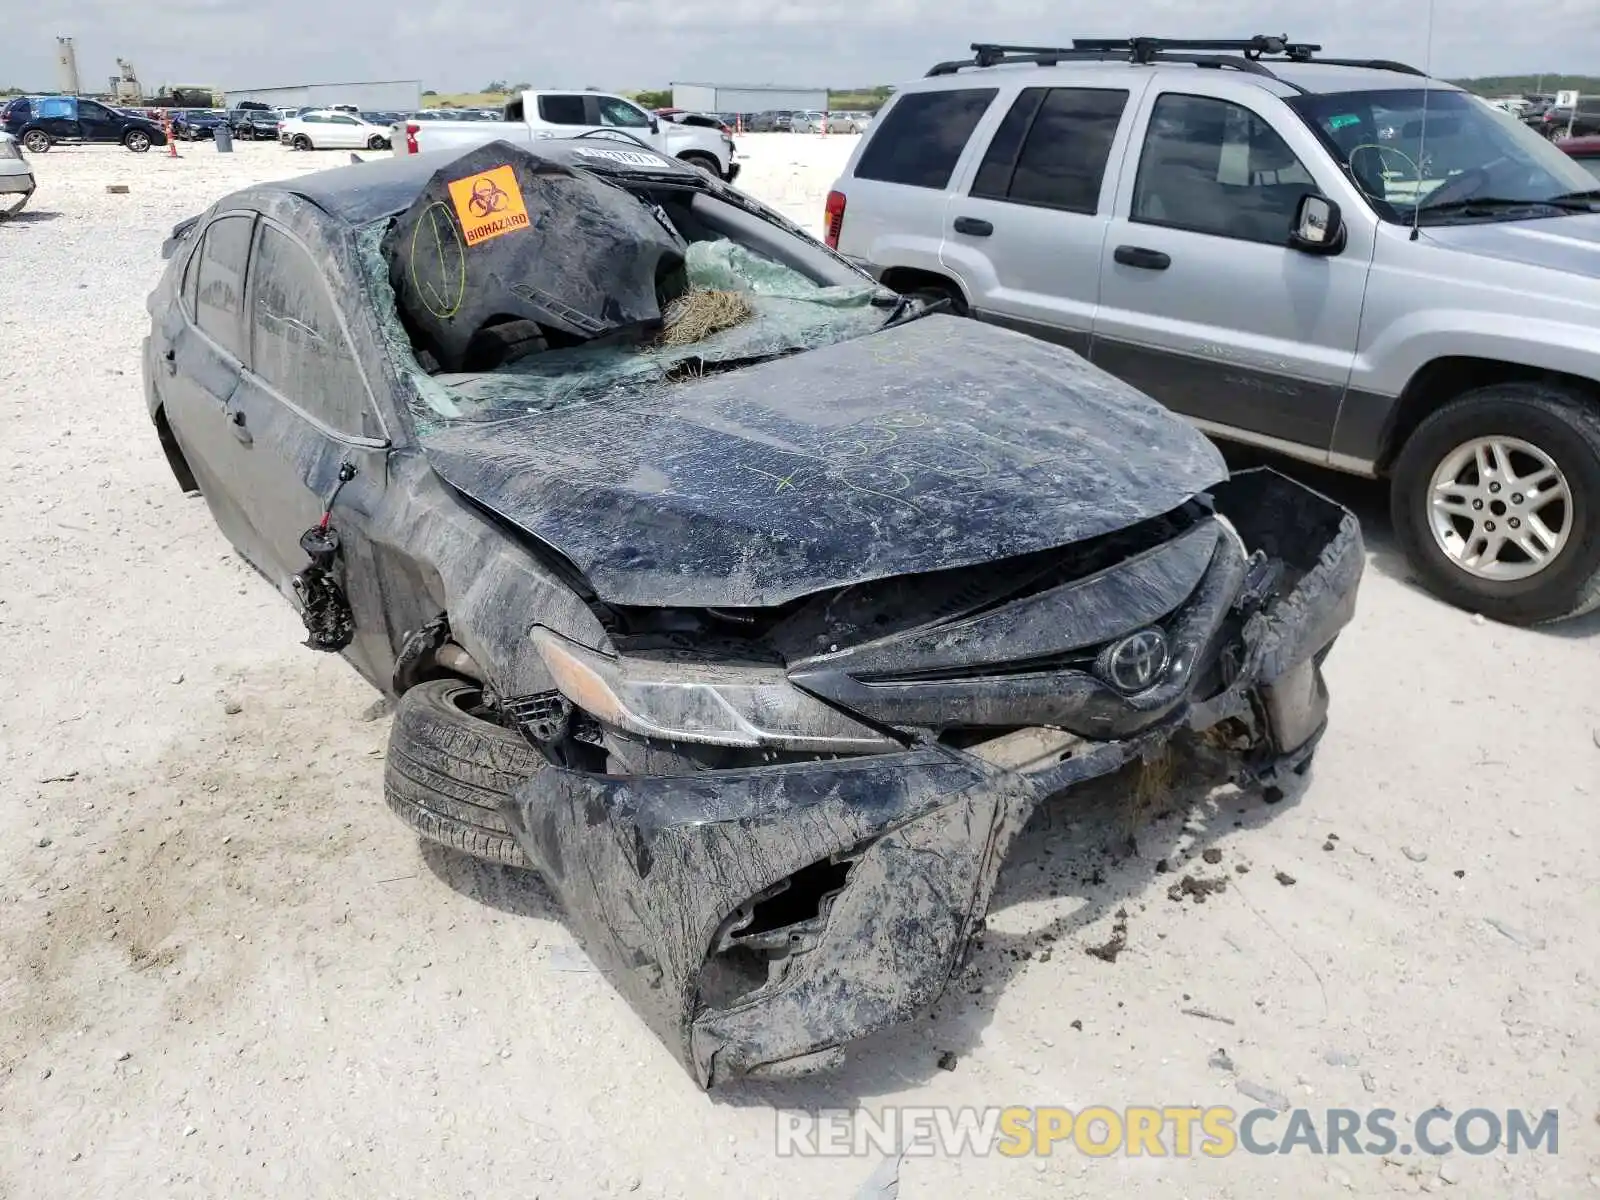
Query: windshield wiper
[1489,205]
[903,313]
[1592,196]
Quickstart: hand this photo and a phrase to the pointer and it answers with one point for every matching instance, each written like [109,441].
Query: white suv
[1343,261]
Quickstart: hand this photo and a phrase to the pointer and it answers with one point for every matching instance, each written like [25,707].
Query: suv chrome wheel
[1500,508]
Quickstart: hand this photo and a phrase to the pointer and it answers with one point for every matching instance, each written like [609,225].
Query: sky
[453,45]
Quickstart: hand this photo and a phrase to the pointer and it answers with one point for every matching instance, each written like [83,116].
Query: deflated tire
[447,770]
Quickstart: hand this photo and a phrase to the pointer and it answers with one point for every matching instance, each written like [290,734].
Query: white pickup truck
[534,115]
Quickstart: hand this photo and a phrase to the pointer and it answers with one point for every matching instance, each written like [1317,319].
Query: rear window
[920,140]
[562,110]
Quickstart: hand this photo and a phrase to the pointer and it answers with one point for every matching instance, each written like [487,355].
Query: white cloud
[455,46]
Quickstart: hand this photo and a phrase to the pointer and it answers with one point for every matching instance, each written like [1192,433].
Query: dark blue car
[39,122]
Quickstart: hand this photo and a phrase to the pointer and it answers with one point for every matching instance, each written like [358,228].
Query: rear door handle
[236,422]
[973,227]
[1138,256]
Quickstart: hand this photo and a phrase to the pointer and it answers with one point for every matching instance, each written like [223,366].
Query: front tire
[36,141]
[377,143]
[704,161]
[136,140]
[302,142]
[1496,502]
[449,767]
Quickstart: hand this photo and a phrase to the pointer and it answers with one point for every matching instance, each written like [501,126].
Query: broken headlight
[753,706]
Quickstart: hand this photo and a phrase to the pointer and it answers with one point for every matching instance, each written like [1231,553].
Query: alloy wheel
[1500,508]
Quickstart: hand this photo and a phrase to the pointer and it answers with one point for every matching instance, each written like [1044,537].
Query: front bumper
[665,878]
[17,181]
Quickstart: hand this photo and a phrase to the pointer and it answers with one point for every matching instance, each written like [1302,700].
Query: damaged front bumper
[760,919]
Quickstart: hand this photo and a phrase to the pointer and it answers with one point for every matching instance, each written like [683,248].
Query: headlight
[750,706]
[8,148]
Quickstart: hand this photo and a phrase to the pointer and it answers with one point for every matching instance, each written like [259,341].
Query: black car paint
[941,443]
[654,871]
[680,858]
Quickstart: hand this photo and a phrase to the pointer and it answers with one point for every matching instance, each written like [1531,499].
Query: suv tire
[136,140]
[1559,425]
[36,141]
[448,770]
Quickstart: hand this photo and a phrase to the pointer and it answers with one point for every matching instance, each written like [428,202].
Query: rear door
[206,344]
[569,113]
[1202,303]
[1026,237]
[898,191]
[58,115]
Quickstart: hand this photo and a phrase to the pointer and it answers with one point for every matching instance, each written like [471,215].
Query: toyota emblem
[1136,662]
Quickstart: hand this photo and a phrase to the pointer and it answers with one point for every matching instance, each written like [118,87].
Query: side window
[1213,167]
[55,106]
[1051,150]
[921,139]
[219,295]
[93,111]
[345,121]
[621,114]
[562,110]
[296,344]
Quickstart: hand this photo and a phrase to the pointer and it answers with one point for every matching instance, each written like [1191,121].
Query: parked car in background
[193,124]
[1582,121]
[1420,308]
[769,122]
[39,122]
[1586,150]
[384,119]
[329,129]
[536,115]
[255,124]
[806,122]
[16,177]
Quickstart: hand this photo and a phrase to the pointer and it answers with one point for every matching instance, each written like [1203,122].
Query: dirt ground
[226,970]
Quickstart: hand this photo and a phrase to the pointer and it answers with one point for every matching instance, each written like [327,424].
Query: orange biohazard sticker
[489,204]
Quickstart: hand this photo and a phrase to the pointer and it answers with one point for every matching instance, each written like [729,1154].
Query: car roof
[382,187]
[1286,79]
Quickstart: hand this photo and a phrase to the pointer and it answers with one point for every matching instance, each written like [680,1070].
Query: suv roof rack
[1237,55]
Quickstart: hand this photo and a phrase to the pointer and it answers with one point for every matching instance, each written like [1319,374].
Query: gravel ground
[228,971]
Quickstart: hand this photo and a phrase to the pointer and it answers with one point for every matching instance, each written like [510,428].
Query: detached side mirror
[1318,226]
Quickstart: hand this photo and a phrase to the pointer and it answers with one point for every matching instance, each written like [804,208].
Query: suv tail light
[412,129]
[833,219]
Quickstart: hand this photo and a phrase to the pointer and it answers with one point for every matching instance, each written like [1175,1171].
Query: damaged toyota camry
[754,606]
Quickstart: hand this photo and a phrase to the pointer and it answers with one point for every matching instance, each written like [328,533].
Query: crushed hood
[940,443]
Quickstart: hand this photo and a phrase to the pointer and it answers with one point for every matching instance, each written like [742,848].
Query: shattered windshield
[731,302]
[1437,154]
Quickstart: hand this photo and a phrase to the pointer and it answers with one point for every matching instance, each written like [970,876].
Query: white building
[747,98]
[391,95]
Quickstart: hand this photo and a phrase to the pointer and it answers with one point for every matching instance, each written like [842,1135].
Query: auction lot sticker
[489,204]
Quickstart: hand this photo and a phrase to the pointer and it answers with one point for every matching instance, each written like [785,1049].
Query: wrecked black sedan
[752,605]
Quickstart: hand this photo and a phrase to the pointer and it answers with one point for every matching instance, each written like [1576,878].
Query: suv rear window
[1051,149]
[562,110]
[921,139]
